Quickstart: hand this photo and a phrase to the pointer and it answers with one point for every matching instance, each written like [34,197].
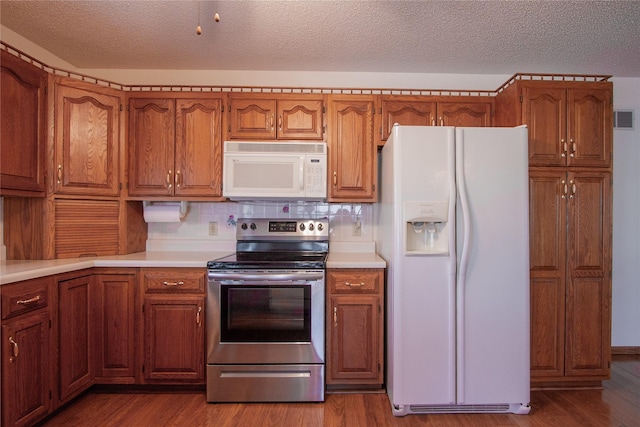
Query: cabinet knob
[59,174]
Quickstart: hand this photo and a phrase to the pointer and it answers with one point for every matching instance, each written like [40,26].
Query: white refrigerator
[453,227]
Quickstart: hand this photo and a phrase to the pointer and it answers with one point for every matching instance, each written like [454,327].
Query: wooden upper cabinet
[22,151]
[544,112]
[175,146]
[284,117]
[464,114]
[352,152]
[87,129]
[151,145]
[433,111]
[590,127]
[198,149]
[405,110]
[568,126]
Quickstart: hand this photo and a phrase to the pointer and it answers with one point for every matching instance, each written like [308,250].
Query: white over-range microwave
[274,170]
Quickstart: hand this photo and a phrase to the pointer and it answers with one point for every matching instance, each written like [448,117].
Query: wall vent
[623,119]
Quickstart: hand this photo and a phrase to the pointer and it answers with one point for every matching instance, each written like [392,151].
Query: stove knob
[320,226]
[302,227]
[244,226]
[253,226]
[310,226]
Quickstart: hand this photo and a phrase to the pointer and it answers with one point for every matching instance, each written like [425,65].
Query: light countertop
[16,270]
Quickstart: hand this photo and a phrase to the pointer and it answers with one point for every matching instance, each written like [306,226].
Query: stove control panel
[256,228]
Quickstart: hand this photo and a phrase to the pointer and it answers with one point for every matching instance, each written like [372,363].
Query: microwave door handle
[301,180]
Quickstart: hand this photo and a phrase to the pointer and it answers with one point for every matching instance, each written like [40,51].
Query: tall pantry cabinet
[570,164]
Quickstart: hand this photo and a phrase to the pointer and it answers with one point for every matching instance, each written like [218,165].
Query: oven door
[265,317]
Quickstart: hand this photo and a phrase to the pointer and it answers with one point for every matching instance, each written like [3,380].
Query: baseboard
[625,351]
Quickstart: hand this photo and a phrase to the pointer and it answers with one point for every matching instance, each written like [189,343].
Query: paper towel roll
[164,211]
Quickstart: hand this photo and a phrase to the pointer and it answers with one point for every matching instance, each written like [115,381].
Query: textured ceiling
[469,37]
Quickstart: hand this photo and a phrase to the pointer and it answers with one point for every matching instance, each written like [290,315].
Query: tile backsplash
[348,223]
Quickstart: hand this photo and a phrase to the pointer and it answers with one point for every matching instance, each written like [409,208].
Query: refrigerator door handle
[463,264]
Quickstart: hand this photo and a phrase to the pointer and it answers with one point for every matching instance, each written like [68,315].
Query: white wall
[626,218]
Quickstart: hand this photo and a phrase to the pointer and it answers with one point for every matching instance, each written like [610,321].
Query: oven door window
[273,313]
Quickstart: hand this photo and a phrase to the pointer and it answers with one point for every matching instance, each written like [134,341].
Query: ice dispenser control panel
[426,227]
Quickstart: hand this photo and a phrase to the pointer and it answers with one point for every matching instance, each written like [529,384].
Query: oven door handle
[267,276]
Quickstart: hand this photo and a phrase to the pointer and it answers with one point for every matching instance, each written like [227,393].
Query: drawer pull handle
[29,300]
[354,284]
[180,283]
[335,316]
[198,316]
[15,350]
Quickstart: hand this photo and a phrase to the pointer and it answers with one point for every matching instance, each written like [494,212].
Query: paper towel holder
[182,208]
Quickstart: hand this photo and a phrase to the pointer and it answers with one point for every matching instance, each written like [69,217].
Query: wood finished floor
[616,405]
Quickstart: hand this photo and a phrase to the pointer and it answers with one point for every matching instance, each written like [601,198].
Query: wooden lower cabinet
[26,351]
[355,328]
[75,326]
[116,296]
[173,327]
[570,258]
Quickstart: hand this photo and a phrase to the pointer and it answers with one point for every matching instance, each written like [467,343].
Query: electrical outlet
[213,228]
[357,228]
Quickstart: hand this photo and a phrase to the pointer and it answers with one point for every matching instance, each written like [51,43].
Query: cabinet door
[86,141]
[300,119]
[590,127]
[544,112]
[352,151]
[26,370]
[252,118]
[75,336]
[464,114]
[406,111]
[115,343]
[198,148]
[589,287]
[174,338]
[151,145]
[354,322]
[22,95]
[547,255]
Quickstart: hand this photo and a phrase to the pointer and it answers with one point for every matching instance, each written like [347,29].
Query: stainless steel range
[265,313]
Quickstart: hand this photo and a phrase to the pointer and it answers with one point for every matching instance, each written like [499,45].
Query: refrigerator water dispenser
[426,228]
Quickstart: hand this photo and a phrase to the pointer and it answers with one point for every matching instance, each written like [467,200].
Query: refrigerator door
[492,296]
[418,169]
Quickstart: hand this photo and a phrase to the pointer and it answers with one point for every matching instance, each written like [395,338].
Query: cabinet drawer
[24,297]
[355,281]
[185,280]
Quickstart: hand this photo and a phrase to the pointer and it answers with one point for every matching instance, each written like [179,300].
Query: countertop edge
[17,271]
